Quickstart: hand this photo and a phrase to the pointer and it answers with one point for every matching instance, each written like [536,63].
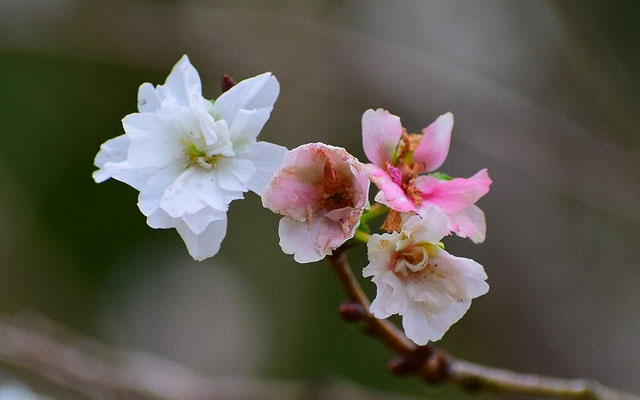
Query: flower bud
[351,311]
[226,83]
[436,368]
[400,366]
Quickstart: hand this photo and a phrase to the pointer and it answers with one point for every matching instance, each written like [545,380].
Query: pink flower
[398,159]
[322,192]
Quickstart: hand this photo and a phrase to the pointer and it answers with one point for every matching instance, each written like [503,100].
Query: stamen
[393,222]
[335,188]
[195,156]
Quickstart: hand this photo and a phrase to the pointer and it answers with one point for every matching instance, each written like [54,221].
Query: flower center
[412,259]
[197,157]
[403,171]
[336,191]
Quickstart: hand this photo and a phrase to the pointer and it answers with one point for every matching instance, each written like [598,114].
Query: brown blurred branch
[83,367]
[436,366]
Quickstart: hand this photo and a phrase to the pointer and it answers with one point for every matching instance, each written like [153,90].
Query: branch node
[436,368]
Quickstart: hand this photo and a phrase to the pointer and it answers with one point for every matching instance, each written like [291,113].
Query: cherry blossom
[399,161]
[322,192]
[190,157]
[415,278]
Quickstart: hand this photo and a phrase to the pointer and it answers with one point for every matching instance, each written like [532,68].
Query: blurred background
[545,93]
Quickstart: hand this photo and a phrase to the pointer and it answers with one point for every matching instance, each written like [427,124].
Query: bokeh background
[545,93]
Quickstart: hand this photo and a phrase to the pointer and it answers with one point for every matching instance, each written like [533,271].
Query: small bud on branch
[351,311]
[227,83]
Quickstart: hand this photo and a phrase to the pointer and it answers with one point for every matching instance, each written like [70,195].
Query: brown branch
[383,329]
[58,360]
[435,366]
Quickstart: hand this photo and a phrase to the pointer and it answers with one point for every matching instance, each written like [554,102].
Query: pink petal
[454,195]
[290,195]
[361,183]
[339,214]
[394,196]
[381,132]
[434,146]
[470,223]
[395,174]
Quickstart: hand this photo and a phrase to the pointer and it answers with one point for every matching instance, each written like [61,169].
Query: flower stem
[374,212]
[362,236]
[383,329]
[436,366]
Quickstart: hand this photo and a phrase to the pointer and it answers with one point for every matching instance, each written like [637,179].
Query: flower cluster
[190,157]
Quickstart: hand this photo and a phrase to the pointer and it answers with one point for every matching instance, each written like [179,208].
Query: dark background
[545,93]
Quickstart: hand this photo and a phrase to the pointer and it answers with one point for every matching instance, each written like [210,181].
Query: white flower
[417,279]
[190,157]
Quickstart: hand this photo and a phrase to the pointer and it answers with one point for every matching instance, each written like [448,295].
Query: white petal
[417,327]
[380,249]
[123,172]
[156,138]
[194,190]
[113,150]
[266,158]
[468,274]
[397,301]
[200,220]
[100,175]
[391,297]
[183,195]
[377,305]
[444,319]
[217,197]
[298,238]
[183,80]
[216,135]
[197,222]
[430,228]
[151,193]
[148,100]
[234,173]
[159,219]
[205,244]
[432,292]
[422,326]
[246,126]
[254,93]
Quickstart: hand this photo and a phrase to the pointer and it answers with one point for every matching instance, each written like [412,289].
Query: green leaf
[441,176]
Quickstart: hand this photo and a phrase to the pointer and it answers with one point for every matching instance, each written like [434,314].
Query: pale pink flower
[322,192]
[398,159]
[415,278]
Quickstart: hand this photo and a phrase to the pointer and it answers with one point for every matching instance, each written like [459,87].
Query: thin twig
[383,329]
[436,366]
